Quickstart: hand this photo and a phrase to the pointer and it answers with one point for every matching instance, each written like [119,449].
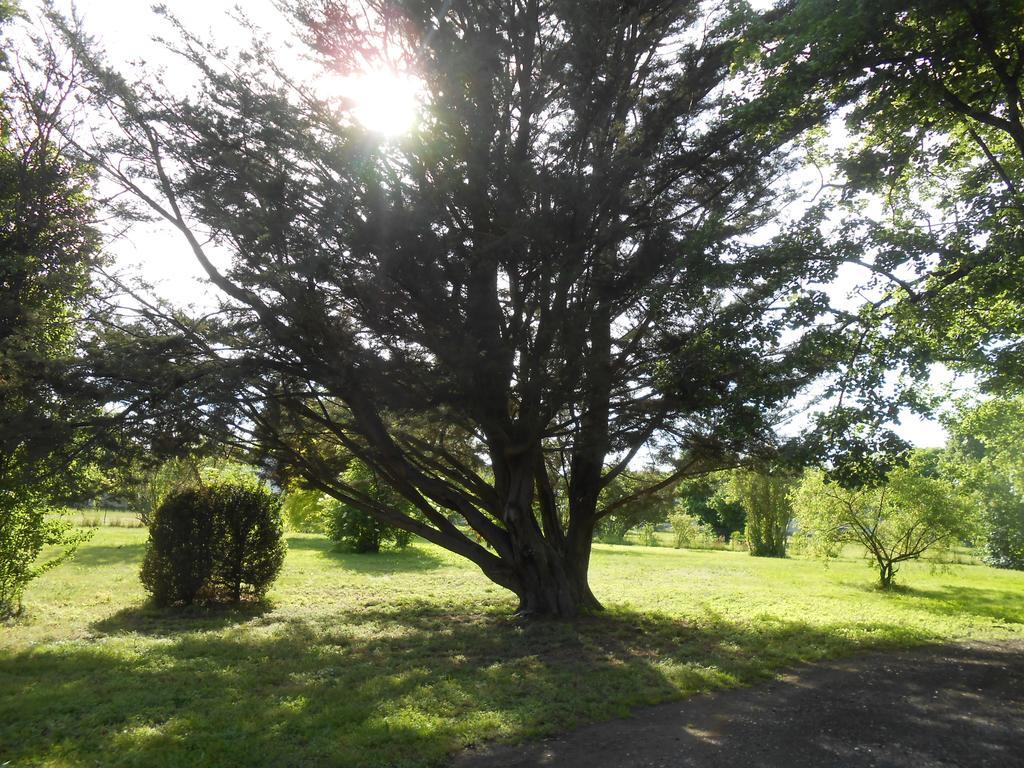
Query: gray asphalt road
[957,705]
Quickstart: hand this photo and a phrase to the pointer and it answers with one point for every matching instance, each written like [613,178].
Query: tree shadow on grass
[411,559]
[396,685]
[153,621]
[1005,605]
[93,555]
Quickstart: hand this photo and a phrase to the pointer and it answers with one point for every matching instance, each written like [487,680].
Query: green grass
[399,659]
[98,518]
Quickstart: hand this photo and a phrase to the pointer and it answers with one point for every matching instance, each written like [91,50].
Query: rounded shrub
[179,553]
[249,544]
[220,542]
[357,531]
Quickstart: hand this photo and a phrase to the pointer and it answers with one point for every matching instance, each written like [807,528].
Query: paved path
[960,705]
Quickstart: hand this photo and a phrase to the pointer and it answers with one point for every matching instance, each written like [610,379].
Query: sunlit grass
[398,659]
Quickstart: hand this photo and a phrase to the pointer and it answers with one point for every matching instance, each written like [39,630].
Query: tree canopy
[566,262]
[931,97]
[984,457]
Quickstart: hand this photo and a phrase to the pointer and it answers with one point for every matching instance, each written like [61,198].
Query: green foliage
[895,522]
[931,96]
[629,513]
[27,525]
[304,510]
[765,498]
[47,248]
[355,529]
[703,498]
[985,457]
[690,531]
[220,471]
[148,488]
[648,535]
[249,540]
[215,542]
[179,554]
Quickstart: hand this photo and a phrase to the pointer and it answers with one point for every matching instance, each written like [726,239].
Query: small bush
[648,535]
[356,530]
[738,542]
[690,531]
[249,548]
[27,526]
[220,542]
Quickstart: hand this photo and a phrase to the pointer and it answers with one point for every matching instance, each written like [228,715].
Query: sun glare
[385,102]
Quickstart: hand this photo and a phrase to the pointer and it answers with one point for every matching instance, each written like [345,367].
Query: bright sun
[384,101]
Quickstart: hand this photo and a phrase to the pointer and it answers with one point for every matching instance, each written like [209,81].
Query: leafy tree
[637,510]
[27,525]
[764,497]
[47,247]
[303,509]
[984,457]
[703,498]
[932,98]
[351,526]
[895,522]
[553,265]
[223,470]
[689,530]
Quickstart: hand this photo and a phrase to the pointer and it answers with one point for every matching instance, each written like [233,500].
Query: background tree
[351,527]
[303,509]
[984,457]
[765,499]
[553,264]
[638,510]
[47,247]
[901,520]
[703,498]
[146,487]
[689,530]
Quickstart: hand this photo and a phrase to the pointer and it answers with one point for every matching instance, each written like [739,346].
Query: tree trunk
[549,575]
[554,585]
[885,574]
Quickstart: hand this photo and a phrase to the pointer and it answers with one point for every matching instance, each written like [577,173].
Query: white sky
[125,28]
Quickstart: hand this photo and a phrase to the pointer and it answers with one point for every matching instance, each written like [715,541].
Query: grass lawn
[399,659]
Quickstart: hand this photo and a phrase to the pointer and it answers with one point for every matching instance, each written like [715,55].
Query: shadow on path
[940,706]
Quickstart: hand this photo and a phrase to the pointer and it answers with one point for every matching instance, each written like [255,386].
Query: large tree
[47,249]
[931,97]
[983,456]
[499,311]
